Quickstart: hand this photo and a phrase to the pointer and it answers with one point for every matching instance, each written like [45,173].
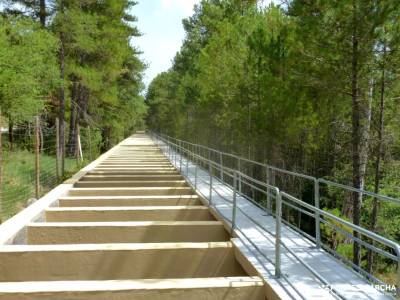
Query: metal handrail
[353,189]
[278,242]
[363,231]
[312,178]
[237,176]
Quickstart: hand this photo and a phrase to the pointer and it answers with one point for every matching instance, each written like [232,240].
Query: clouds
[185,6]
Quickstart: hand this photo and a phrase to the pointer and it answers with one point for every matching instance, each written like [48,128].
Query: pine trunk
[42,12]
[106,136]
[11,134]
[62,103]
[73,120]
[378,168]
[360,135]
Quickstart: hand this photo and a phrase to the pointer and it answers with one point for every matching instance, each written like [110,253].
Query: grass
[18,185]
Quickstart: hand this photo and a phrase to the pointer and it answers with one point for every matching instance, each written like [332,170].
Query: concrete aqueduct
[128,226]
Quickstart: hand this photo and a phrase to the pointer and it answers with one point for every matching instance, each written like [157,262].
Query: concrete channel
[127,227]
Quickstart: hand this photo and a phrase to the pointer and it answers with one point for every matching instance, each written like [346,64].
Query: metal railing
[202,156]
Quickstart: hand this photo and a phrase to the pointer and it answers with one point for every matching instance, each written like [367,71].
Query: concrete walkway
[298,282]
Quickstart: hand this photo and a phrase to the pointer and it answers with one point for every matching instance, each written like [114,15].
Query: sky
[160,22]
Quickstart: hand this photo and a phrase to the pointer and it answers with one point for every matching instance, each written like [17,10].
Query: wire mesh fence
[31,161]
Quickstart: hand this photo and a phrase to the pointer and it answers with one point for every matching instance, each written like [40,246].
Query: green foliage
[76,54]
[294,86]
[100,59]
[335,239]
[28,67]
[102,70]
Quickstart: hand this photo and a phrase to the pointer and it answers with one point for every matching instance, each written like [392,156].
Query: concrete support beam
[113,214]
[118,261]
[135,191]
[126,232]
[234,288]
[123,168]
[89,201]
[136,160]
[131,172]
[155,183]
[130,177]
[136,167]
[146,157]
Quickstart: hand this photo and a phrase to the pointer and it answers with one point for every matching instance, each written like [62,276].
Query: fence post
[58,149]
[90,144]
[37,158]
[278,220]
[317,216]
[234,203]
[62,147]
[78,129]
[76,145]
[211,183]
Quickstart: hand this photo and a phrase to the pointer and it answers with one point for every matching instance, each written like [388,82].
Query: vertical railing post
[272,178]
[278,220]
[37,159]
[398,273]
[193,154]
[221,163]
[180,157]
[195,175]
[171,149]
[269,209]
[234,204]
[187,162]
[175,153]
[317,215]
[196,153]
[240,179]
[211,184]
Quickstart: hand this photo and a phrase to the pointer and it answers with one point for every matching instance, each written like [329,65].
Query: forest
[71,60]
[72,65]
[308,86]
